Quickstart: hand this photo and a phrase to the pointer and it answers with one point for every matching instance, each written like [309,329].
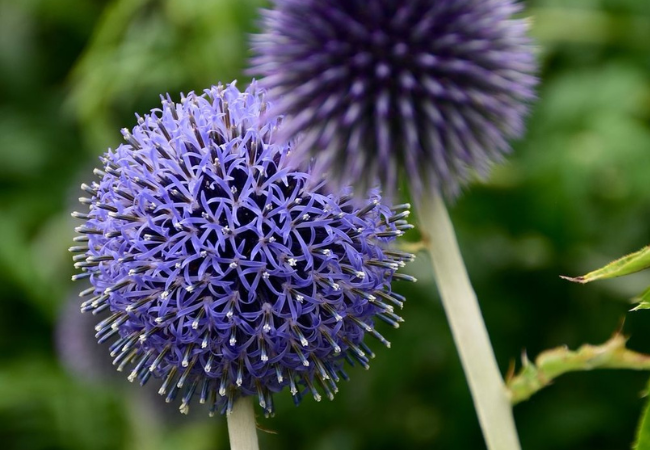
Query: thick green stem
[461,306]
[241,425]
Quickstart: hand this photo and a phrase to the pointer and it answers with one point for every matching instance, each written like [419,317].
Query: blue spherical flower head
[225,272]
[431,87]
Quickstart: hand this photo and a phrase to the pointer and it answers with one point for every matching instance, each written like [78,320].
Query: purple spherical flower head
[225,272]
[435,87]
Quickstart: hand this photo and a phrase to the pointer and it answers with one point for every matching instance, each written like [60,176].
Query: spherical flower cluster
[224,271]
[436,87]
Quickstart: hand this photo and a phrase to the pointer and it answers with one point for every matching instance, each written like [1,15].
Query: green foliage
[643,300]
[573,196]
[643,433]
[550,364]
[626,265]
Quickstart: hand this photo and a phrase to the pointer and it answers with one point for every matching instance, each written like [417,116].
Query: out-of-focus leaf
[17,263]
[23,147]
[143,48]
[56,409]
[589,25]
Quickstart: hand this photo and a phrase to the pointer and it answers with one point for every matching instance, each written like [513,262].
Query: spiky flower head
[225,272]
[436,87]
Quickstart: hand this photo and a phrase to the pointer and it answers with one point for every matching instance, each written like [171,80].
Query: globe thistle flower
[225,272]
[436,87]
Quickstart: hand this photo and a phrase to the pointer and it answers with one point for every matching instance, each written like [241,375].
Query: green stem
[241,425]
[461,306]
[553,363]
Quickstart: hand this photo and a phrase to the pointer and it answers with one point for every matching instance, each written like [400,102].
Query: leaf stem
[461,306]
[241,425]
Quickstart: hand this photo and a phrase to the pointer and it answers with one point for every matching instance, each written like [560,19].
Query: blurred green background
[574,196]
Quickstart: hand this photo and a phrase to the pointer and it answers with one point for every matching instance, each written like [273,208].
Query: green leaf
[626,265]
[643,300]
[643,433]
[552,363]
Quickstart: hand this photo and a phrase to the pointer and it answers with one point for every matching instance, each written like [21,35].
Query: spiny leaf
[626,265]
[552,363]
[643,300]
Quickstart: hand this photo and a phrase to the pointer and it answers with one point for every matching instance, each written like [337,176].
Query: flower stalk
[488,390]
[242,430]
